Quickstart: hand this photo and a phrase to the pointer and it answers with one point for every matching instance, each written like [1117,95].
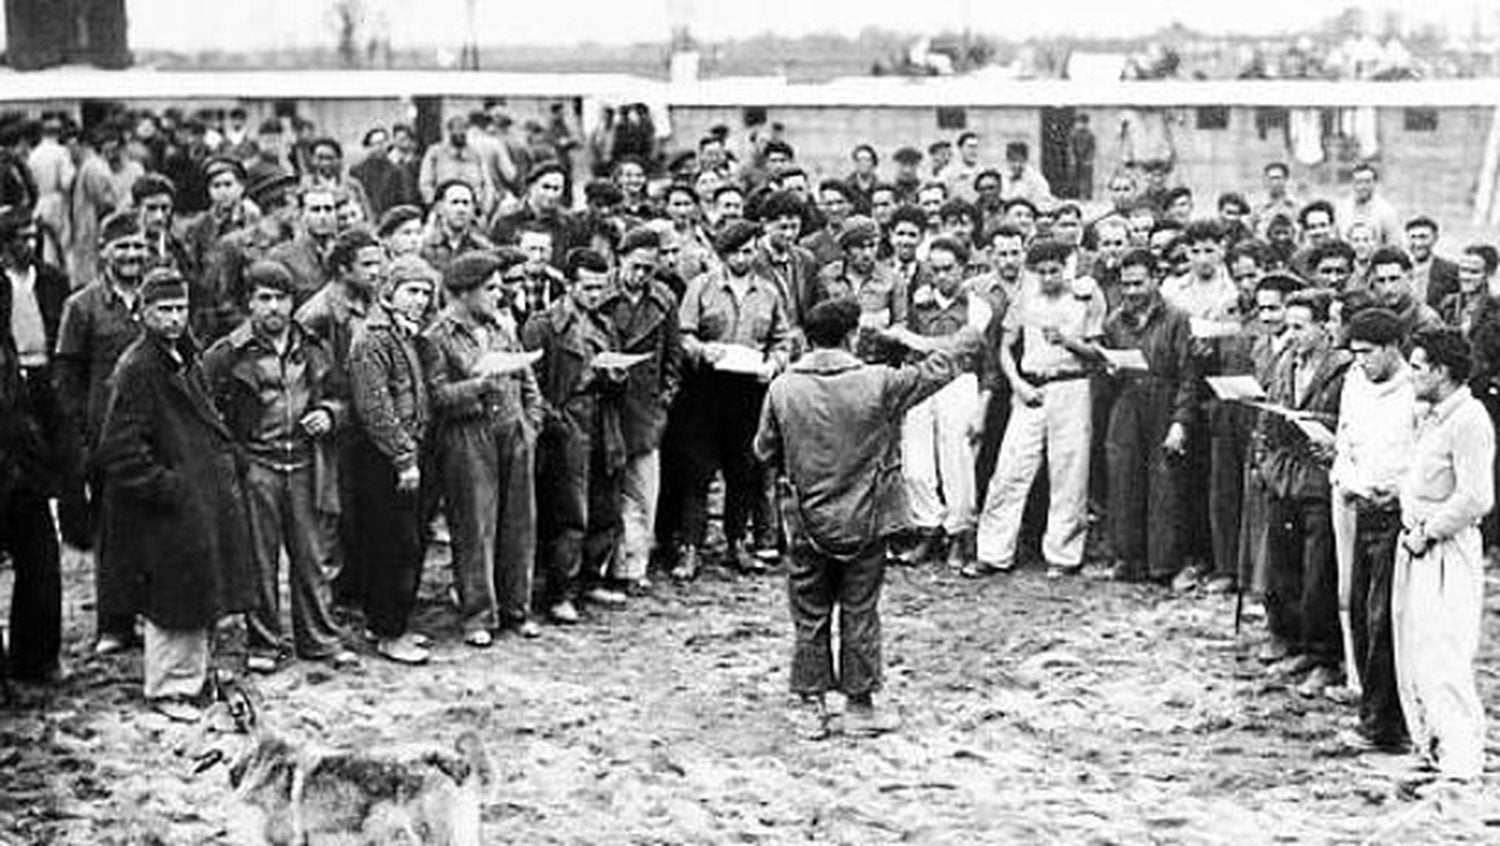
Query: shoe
[417,638]
[564,613]
[863,719]
[479,638]
[344,659]
[177,710]
[529,629]
[746,562]
[403,650]
[981,569]
[960,550]
[52,676]
[1187,580]
[1294,665]
[1220,585]
[688,564]
[768,555]
[605,597]
[1062,571]
[1357,740]
[922,550]
[810,718]
[1341,694]
[262,663]
[110,644]
[636,587]
[1320,679]
[1273,650]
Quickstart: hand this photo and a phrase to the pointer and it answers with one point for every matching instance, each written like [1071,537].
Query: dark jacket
[580,402]
[831,425]
[450,351]
[174,501]
[390,393]
[1442,281]
[36,447]
[1289,466]
[651,327]
[96,328]
[308,264]
[238,391]
[797,280]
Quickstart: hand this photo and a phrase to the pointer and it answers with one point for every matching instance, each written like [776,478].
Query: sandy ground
[1076,712]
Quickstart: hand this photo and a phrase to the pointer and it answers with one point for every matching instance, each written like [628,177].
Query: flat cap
[470,270]
[859,231]
[735,235]
[1378,326]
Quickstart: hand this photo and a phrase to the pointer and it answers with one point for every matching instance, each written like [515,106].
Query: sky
[249,24]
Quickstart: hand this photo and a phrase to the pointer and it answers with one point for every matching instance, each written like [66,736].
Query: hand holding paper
[1130,359]
[502,363]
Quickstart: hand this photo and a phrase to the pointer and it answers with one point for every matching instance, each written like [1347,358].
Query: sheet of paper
[1202,328]
[1314,430]
[738,359]
[618,360]
[499,363]
[1131,359]
[1230,388]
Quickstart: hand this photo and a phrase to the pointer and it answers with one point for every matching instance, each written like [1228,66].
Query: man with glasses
[940,433]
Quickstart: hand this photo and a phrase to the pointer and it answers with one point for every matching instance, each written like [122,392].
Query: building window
[1421,120]
[1213,117]
[952,118]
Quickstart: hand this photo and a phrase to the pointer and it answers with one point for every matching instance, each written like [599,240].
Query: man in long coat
[174,510]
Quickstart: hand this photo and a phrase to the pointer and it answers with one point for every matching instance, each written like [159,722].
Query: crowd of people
[263,354]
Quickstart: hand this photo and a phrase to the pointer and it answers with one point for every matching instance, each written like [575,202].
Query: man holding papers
[486,412]
[735,338]
[1301,591]
[581,450]
[1148,426]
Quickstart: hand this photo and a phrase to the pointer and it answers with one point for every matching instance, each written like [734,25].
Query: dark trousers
[578,511]
[1376,536]
[490,500]
[1145,483]
[115,586]
[28,534]
[817,583]
[349,583]
[1302,578]
[1228,449]
[284,516]
[389,525]
[721,415]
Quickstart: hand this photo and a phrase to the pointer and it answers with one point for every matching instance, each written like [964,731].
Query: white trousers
[937,457]
[1436,603]
[1060,429]
[638,493]
[176,661]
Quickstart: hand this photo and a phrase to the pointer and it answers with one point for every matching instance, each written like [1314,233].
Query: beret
[470,270]
[509,257]
[396,217]
[1378,326]
[269,274]
[13,219]
[735,235]
[121,224]
[163,283]
[269,186]
[405,269]
[858,231]
[220,164]
[543,169]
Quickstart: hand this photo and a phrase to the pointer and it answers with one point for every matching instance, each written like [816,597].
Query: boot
[960,550]
[687,565]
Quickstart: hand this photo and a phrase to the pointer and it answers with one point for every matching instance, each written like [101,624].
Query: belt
[1066,376]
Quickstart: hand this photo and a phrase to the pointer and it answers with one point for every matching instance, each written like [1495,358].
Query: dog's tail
[471,748]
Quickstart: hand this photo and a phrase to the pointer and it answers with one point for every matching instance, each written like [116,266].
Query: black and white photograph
[469,422]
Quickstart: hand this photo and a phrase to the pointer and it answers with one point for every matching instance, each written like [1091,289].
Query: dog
[302,795]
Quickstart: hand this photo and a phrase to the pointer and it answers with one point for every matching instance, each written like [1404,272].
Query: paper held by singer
[612,360]
[1130,359]
[1209,329]
[740,359]
[501,363]
[1232,388]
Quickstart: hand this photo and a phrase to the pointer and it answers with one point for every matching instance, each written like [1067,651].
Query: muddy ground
[1077,711]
